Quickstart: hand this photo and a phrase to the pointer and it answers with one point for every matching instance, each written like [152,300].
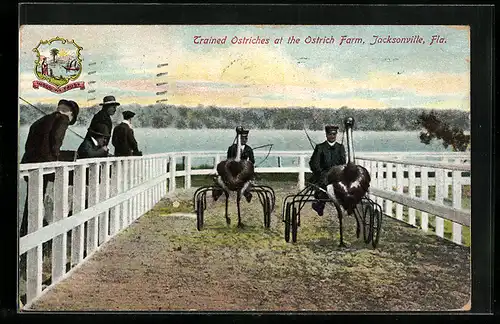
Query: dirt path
[163,263]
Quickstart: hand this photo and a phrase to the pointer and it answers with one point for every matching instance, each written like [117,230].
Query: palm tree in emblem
[54,53]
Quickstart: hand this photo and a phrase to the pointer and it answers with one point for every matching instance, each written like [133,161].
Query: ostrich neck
[238,148]
[350,148]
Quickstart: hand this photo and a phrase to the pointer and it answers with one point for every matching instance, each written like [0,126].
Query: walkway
[161,262]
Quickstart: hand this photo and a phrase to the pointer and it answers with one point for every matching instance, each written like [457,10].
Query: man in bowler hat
[325,155]
[123,137]
[246,151]
[94,145]
[44,142]
[109,105]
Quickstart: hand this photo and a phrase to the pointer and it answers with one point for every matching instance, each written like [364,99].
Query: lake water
[154,140]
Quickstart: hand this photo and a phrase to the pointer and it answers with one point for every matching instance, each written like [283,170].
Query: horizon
[217,107]
[359,76]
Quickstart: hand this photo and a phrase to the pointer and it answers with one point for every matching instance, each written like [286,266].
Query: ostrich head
[348,125]
[239,131]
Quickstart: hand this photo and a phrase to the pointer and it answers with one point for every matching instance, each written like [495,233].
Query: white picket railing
[119,190]
[389,182]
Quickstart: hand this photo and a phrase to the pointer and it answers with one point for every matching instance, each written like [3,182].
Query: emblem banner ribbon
[70,86]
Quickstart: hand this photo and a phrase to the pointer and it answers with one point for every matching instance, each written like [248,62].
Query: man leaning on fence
[44,143]
[94,144]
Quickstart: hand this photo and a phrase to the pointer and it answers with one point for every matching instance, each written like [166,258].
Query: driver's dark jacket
[323,158]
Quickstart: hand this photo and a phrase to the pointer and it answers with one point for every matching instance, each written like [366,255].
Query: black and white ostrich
[347,184]
[235,175]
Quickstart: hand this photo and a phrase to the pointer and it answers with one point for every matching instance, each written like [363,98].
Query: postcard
[244,168]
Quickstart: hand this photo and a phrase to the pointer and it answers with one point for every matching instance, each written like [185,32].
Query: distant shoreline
[178,117]
[25,126]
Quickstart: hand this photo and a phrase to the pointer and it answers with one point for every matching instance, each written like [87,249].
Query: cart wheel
[267,214]
[298,217]
[367,222]
[199,215]
[287,222]
[294,224]
[377,226]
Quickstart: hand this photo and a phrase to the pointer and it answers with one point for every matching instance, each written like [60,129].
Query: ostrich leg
[358,225]
[342,244]
[238,199]
[339,212]
[228,220]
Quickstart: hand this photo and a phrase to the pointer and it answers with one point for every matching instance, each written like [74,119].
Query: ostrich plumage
[350,184]
[234,174]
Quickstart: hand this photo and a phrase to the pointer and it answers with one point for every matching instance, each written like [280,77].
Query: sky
[357,75]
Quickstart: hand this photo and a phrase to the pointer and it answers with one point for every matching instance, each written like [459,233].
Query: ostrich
[347,184]
[235,175]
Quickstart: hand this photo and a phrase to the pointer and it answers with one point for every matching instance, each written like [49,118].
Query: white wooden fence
[119,190]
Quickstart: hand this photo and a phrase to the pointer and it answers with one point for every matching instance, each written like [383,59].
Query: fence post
[116,183]
[399,189]
[125,205]
[380,181]
[412,193]
[373,173]
[35,222]
[156,187]
[187,171]
[388,186]
[59,246]
[440,184]
[279,162]
[302,177]
[147,193]
[133,200]
[137,174]
[173,166]
[216,161]
[77,234]
[92,227]
[424,194]
[104,194]
[142,195]
[457,203]
[165,183]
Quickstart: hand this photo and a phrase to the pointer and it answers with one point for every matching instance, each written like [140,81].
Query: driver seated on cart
[246,153]
[325,155]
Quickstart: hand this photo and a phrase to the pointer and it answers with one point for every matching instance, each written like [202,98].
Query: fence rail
[104,196]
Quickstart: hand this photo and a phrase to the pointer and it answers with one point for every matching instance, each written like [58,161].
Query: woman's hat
[109,100]
[74,108]
[101,130]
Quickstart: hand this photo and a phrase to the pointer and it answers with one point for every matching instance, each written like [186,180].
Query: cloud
[132,85]
[461,104]
[261,75]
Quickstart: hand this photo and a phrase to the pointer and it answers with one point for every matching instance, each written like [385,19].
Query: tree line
[292,118]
